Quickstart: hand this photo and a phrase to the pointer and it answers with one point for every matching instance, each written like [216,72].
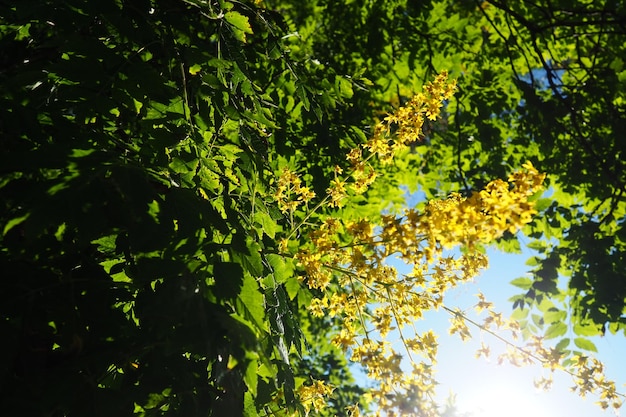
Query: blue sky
[488,389]
[483,388]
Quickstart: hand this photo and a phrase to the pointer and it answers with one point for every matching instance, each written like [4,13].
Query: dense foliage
[184,183]
[136,216]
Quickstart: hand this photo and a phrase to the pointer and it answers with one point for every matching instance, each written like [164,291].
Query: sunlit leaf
[585,344]
[555,330]
[240,24]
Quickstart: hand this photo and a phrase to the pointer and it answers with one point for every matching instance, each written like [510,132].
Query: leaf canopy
[141,143]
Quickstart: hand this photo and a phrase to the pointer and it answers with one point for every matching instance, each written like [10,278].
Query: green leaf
[533,261]
[267,224]
[14,222]
[343,87]
[586,330]
[195,68]
[253,261]
[538,320]
[519,314]
[554,315]
[180,166]
[522,282]
[252,302]
[555,330]
[249,407]
[251,377]
[302,94]
[543,203]
[292,285]
[614,328]
[240,25]
[282,268]
[585,344]
[538,245]
[563,343]
[545,305]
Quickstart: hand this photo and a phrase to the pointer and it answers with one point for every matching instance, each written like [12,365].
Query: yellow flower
[313,396]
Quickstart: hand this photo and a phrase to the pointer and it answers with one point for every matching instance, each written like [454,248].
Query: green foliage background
[139,145]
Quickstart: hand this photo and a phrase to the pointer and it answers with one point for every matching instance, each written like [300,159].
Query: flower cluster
[404,126]
[390,136]
[346,263]
[485,215]
[290,184]
[290,193]
[346,260]
[590,378]
[350,266]
[314,396]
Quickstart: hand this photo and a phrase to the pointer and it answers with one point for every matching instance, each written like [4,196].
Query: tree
[135,174]
[578,88]
[188,200]
[537,81]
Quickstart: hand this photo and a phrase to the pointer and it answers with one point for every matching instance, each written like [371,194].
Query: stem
[358,308]
[395,317]
[324,200]
[513,345]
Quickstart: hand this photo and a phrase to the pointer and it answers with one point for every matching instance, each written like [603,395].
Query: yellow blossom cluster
[590,378]
[290,193]
[313,397]
[345,262]
[404,126]
[487,214]
[391,135]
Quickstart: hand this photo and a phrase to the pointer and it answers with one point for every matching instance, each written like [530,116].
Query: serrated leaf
[252,301]
[249,407]
[282,268]
[268,225]
[585,344]
[555,330]
[240,25]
